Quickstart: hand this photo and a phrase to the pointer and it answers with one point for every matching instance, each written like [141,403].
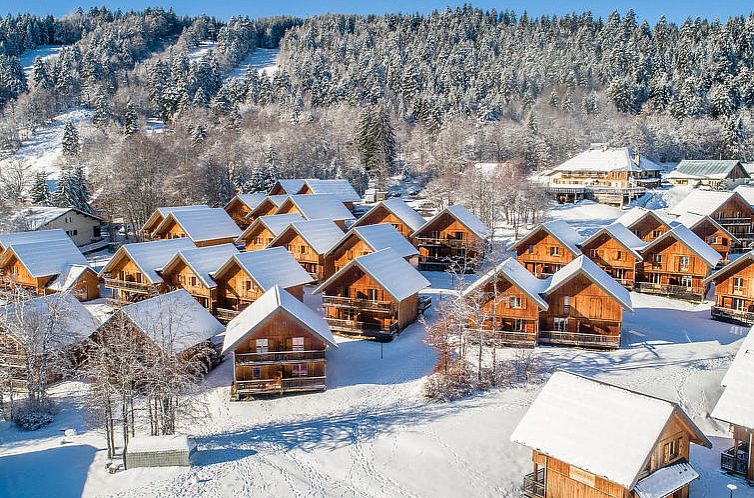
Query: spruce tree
[101,116]
[71,145]
[39,193]
[130,120]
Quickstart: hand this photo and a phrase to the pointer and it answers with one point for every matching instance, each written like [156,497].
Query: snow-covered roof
[68,278]
[161,212]
[663,482]
[400,209]
[74,323]
[203,224]
[702,202]
[393,273]
[249,200]
[43,259]
[266,307]
[275,223]
[270,201]
[602,158]
[321,235]
[516,274]
[379,237]
[703,168]
[342,189]
[746,192]
[149,256]
[685,236]
[691,220]
[623,235]
[204,261]
[736,405]
[739,262]
[561,231]
[270,267]
[36,217]
[7,239]
[319,206]
[159,444]
[289,185]
[600,428]
[634,215]
[463,216]
[585,266]
[175,320]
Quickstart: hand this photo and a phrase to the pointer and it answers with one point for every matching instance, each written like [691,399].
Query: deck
[677,291]
[125,285]
[386,331]
[557,337]
[504,337]
[277,357]
[533,485]
[279,386]
[361,304]
[731,315]
[735,462]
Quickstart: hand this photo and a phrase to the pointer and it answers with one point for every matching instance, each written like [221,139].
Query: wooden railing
[503,336]
[670,290]
[304,383]
[278,356]
[579,339]
[424,303]
[280,385]
[734,221]
[225,315]
[534,484]
[113,283]
[443,241]
[356,326]
[352,302]
[735,462]
[720,313]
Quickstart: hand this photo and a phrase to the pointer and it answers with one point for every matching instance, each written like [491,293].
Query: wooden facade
[734,291]
[543,254]
[380,214]
[238,209]
[180,276]
[128,283]
[267,207]
[257,237]
[445,243]
[736,216]
[716,236]
[14,273]
[171,229]
[305,253]
[737,459]
[649,227]
[613,257]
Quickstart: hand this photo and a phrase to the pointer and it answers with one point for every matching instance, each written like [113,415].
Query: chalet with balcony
[616,250]
[205,227]
[262,231]
[644,223]
[341,189]
[192,270]
[736,408]
[729,209]
[71,325]
[248,275]
[376,295]
[396,212]
[454,239]
[509,301]
[317,207]
[309,242]
[239,207]
[48,267]
[593,439]
[710,231]
[8,239]
[159,216]
[366,239]
[676,264]
[585,307]
[287,186]
[132,273]
[267,207]
[734,291]
[279,346]
[548,248]
[718,174]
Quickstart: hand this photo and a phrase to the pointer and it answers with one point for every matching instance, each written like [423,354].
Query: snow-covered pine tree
[71,146]
[72,189]
[101,116]
[39,192]
[130,120]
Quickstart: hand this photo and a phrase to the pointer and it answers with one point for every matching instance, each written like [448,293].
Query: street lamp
[732,488]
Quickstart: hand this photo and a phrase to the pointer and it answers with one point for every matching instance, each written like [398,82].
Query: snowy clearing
[44,52]
[198,52]
[263,59]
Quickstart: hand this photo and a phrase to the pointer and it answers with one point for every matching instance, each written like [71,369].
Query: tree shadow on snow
[220,455]
[60,472]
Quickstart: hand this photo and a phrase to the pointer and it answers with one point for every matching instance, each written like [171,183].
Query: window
[713,240]
[656,233]
[687,281]
[671,450]
[657,261]
[655,278]
[683,262]
[517,325]
[514,302]
[269,240]
[458,235]
[193,281]
[247,285]
[566,304]
[75,232]
[620,274]
[262,346]
[256,373]
[739,304]
[560,324]
[257,241]
[554,251]
[595,253]
[373,294]
[303,249]
[300,370]
[618,255]
[738,285]
[297,344]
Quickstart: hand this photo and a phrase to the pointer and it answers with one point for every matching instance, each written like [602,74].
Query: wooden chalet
[710,231]
[396,212]
[548,248]
[159,216]
[71,325]
[132,273]
[205,227]
[616,250]
[239,207]
[48,267]
[736,407]
[729,209]
[248,275]
[267,207]
[279,346]
[676,264]
[174,323]
[509,301]
[8,239]
[376,295]
[362,240]
[192,270]
[341,189]
[317,207]
[453,239]
[287,186]
[309,242]
[734,291]
[718,174]
[591,439]
[644,223]
[263,230]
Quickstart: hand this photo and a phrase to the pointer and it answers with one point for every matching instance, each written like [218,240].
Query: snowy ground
[198,52]
[371,434]
[44,52]
[263,59]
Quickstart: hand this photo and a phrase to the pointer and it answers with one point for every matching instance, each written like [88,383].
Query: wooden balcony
[443,242]
[125,285]
[275,357]
[734,221]
[377,330]
[279,386]
[731,315]
[504,337]
[225,315]
[579,339]
[534,484]
[360,304]
[693,293]
[735,461]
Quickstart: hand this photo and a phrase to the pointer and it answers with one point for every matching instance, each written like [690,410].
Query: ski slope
[264,60]
[44,52]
